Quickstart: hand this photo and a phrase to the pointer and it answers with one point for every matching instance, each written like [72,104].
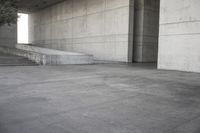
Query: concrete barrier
[46,56]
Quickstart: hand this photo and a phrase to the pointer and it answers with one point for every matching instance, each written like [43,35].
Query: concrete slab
[108,98]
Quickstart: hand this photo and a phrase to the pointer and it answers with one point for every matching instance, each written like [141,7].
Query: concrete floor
[104,98]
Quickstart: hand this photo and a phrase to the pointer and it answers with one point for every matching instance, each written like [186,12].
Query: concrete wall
[8,35]
[146,30]
[179,40]
[98,27]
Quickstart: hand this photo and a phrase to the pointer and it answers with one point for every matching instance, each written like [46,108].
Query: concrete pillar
[179,40]
[146,30]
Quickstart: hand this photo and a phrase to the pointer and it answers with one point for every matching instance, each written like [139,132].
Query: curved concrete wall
[179,41]
[97,27]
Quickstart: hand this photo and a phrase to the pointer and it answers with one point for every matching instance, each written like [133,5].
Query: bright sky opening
[22,28]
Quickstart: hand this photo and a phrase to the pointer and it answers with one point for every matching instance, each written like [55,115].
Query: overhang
[28,6]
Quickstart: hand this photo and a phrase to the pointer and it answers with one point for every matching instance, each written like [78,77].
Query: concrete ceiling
[28,6]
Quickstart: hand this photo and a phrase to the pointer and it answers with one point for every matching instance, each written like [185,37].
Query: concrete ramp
[46,56]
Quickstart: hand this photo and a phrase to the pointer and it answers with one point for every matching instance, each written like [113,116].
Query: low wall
[45,56]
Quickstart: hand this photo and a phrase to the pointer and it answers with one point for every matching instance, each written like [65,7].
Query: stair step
[11,60]
[18,64]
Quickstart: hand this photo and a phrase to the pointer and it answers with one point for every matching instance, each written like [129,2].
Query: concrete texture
[8,35]
[27,6]
[55,57]
[179,47]
[44,56]
[10,60]
[146,30]
[97,27]
[115,30]
[112,98]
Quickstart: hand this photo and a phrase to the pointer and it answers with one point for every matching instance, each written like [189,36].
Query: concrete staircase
[10,60]
[44,56]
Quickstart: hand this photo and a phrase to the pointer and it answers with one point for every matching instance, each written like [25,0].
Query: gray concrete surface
[179,47]
[109,98]
[44,56]
[114,30]
[27,6]
[10,60]
[8,35]
[146,30]
[55,57]
[97,27]
[106,29]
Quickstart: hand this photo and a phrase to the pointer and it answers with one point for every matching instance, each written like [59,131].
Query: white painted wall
[97,27]
[179,40]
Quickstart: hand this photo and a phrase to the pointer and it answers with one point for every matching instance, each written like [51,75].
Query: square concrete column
[146,30]
[179,40]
